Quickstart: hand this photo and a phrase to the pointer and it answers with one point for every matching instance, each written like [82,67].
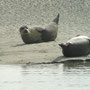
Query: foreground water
[67,76]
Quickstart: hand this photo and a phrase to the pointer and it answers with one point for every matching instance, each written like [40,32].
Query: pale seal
[38,34]
[77,46]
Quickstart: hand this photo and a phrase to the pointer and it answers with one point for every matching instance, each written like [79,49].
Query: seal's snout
[56,20]
[62,45]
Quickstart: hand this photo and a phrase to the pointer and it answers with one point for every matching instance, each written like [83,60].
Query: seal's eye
[23,28]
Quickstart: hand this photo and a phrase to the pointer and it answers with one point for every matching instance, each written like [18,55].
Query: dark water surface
[67,76]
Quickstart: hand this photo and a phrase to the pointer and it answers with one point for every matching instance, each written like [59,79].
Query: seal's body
[77,46]
[38,34]
[50,32]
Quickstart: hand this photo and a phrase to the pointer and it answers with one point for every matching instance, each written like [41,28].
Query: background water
[68,76]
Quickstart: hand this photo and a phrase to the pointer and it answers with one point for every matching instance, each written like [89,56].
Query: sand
[21,53]
[74,20]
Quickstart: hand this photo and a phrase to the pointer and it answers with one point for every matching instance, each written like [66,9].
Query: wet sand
[74,20]
[21,53]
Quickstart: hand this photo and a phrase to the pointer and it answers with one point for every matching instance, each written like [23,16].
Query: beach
[74,20]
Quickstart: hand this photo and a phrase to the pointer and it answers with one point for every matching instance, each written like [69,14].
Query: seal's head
[65,48]
[23,30]
[64,45]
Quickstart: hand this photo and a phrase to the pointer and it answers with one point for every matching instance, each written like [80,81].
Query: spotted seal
[77,46]
[38,34]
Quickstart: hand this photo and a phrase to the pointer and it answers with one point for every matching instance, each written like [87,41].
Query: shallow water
[68,76]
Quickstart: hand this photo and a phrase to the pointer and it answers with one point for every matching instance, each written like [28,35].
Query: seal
[37,34]
[77,46]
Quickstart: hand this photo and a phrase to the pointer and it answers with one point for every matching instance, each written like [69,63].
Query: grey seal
[77,46]
[38,34]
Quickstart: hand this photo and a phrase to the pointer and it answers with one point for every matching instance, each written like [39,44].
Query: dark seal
[77,46]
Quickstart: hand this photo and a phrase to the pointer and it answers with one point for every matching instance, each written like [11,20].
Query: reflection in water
[77,67]
[67,76]
[76,64]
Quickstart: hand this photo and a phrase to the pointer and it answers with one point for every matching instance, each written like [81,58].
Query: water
[68,76]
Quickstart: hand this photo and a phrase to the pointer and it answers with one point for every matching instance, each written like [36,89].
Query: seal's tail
[56,20]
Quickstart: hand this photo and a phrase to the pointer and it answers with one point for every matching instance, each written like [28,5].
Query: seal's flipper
[56,20]
[39,29]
